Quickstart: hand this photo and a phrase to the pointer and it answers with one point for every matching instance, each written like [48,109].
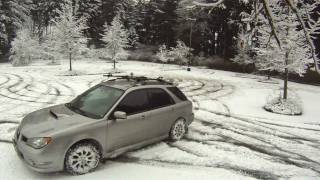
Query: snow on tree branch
[295,10]
[212,4]
[271,21]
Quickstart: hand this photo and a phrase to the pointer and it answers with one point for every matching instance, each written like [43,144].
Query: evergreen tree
[42,13]
[116,39]
[160,19]
[133,37]
[211,28]
[13,14]
[104,14]
[69,34]
[139,13]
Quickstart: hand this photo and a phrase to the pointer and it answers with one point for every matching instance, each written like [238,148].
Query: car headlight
[39,143]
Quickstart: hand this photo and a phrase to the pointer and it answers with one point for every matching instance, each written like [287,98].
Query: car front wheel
[178,130]
[82,158]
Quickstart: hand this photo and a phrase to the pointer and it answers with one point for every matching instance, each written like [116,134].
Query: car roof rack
[139,79]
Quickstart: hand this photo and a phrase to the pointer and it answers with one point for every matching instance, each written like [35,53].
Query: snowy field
[232,137]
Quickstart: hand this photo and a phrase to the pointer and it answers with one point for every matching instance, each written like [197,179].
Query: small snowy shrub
[181,52]
[291,106]
[163,54]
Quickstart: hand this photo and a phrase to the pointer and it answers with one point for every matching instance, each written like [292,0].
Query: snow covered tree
[69,34]
[309,11]
[116,39]
[293,54]
[25,47]
[50,46]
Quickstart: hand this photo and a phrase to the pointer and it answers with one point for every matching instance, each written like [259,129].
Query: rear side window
[176,91]
[159,98]
[134,102]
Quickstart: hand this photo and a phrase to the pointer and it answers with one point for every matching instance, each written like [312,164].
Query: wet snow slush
[252,147]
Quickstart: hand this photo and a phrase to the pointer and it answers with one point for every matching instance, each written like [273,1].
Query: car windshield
[95,102]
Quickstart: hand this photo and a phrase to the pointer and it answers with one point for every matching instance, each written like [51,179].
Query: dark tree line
[208,31]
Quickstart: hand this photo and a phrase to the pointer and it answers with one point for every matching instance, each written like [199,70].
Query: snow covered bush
[181,52]
[25,47]
[69,37]
[277,104]
[116,39]
[163,54]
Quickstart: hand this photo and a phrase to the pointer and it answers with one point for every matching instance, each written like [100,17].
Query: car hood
[45,122]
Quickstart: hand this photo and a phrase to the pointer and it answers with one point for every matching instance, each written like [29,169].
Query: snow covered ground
[232,137]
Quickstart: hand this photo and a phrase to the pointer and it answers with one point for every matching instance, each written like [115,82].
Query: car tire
[82,158]
[178,130]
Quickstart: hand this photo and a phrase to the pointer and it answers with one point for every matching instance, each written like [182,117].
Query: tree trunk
[190,43]
[285,87]
[70,60]
[114,59]
[286,74]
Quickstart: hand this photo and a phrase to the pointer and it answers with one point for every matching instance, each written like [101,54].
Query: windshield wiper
[53,114]
[79,111]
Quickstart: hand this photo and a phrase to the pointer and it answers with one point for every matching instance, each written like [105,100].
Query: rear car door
[121,133]
[161,113]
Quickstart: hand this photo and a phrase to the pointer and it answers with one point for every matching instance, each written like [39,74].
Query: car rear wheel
[178,130]
[82,158]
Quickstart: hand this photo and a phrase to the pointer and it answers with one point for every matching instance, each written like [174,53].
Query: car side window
[159,98]
[177,93]
[134,102]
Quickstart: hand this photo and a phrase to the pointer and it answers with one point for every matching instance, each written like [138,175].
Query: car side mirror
[120,115]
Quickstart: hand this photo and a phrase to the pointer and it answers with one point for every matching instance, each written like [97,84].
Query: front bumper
[36,159]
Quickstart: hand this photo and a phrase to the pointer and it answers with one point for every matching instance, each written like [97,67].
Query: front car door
[130,131]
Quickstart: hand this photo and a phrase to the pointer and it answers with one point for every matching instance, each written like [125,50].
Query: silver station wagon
[113,117]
